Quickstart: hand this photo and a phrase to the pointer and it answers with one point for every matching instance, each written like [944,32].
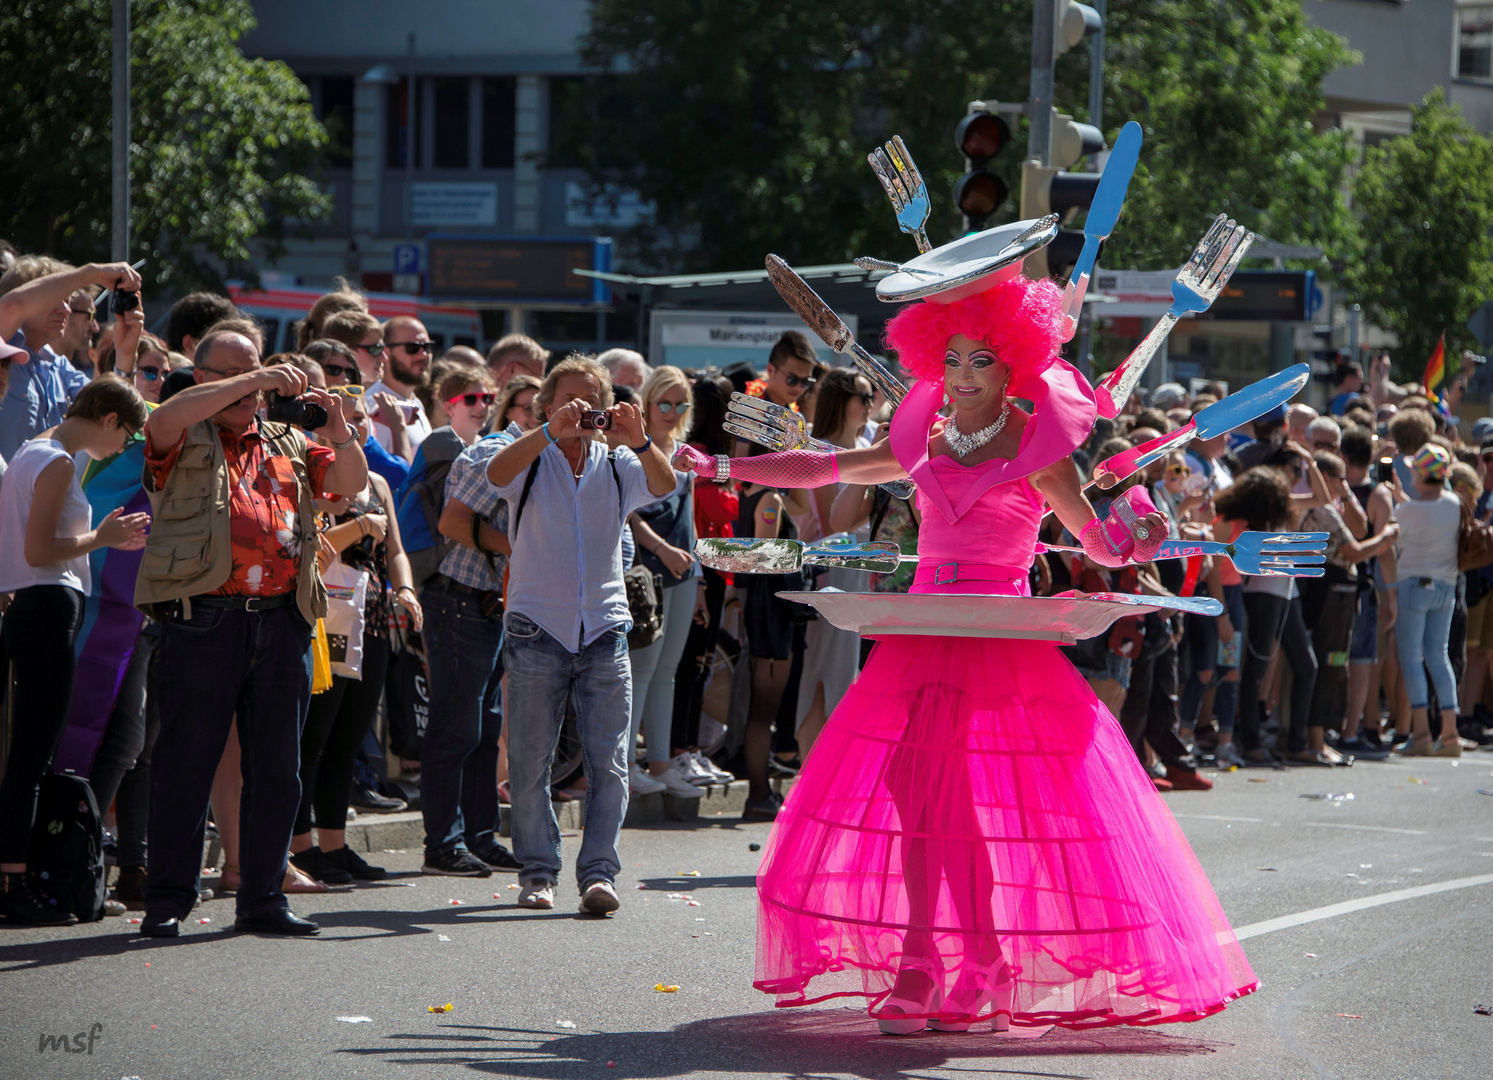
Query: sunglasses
[411,348]
[353,391]
[867,399]
[337,371]
[149,374]
[472,399]
[1178,470]
[794,381]
[376,349]
[668,407]
[82,311]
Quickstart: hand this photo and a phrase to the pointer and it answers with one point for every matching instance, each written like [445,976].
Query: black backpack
[645,589]
[67,845]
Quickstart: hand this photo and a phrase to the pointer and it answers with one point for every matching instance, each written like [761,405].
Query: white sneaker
[690,769]
[711,769]
[640,783]
[675,783]
[537,894]
[599,898]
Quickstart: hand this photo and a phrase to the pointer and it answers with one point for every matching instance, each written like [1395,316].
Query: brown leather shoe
[1187,779]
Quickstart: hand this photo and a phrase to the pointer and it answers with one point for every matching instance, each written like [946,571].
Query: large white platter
[1064,619]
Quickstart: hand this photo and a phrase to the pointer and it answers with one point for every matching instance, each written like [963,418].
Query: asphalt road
[1383,991]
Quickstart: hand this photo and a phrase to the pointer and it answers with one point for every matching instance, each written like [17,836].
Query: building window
[1475,42]
[453,108]
[499,101]
[334,109]
[398,131]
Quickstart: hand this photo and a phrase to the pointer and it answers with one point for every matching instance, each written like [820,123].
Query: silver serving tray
[1064,619]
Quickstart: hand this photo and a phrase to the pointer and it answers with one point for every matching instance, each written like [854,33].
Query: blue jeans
[1421,636]
[462,653]
[542,676]
[216,665]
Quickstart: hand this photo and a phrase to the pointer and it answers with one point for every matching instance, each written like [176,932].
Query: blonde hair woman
[665,535]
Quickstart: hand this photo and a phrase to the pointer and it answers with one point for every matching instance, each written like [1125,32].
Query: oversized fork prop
[904,188]
[1197,285]
[1259,553]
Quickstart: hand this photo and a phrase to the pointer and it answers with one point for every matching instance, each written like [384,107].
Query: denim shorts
[1115,667]
[1364,647]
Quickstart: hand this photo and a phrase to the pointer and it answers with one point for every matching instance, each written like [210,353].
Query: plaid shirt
[467,482]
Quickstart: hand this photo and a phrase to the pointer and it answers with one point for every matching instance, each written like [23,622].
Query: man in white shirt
[407,353]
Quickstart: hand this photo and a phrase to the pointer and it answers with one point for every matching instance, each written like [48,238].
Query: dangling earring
[946,398]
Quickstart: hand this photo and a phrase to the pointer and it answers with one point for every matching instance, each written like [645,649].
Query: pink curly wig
[1021,319]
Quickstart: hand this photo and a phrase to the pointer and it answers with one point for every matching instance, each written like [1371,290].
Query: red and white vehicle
[280,309]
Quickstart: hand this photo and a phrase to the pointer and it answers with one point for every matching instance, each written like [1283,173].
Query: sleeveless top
[372,558]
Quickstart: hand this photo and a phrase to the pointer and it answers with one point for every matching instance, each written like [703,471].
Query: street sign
[511,269]
[406,258]
[1265,296]
[1481,324]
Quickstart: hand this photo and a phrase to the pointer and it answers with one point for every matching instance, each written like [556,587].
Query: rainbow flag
[1436,370]
[111,622]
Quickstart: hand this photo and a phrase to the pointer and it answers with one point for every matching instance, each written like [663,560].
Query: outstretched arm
[1059,484]
[874,464]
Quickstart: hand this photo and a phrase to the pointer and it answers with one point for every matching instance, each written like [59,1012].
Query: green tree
[221,146]
[1424,205]
[748,121]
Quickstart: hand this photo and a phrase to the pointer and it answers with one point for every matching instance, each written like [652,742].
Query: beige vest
[189,551]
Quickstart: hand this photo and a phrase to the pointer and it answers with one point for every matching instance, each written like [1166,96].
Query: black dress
[768,620]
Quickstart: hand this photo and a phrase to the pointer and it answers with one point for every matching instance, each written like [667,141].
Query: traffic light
[1072,22]
[1050,189]
[980,136]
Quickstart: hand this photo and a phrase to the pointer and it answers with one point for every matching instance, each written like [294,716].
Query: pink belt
[938,577]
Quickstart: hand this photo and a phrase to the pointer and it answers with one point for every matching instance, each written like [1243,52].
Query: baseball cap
[1169,395]
[10,352]
[1482,428]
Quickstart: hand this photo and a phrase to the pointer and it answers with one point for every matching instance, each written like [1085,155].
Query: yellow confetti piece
[441,1008]
[689,873]
[662,989]
[1416,780]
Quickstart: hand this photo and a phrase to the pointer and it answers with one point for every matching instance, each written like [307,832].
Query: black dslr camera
[289,410]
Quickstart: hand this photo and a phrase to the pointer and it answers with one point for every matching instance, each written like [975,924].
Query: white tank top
[15,508]
[1429,531]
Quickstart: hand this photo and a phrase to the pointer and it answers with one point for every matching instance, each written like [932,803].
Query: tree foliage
[1424,204]
[221,145]
[748,121]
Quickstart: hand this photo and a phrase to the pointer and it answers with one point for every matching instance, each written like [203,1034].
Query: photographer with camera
[565,628]
[46,306]
[230,572]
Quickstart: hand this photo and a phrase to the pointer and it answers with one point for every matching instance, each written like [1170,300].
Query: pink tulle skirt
[972,812]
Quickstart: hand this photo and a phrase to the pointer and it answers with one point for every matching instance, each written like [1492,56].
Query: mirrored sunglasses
[668,407]
[376,349]
[149,374]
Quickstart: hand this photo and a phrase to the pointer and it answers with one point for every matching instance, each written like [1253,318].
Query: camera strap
[523,497]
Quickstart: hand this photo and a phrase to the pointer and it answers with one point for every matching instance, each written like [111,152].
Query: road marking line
[1332,911]
[1220,817]
[1361,828]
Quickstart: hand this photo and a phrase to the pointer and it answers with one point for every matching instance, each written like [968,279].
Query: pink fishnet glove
[689,459]
[1109,541]
[787,468]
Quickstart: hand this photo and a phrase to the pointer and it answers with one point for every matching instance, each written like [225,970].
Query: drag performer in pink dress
[972,838]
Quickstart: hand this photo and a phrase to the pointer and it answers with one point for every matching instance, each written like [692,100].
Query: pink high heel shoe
[1001,997]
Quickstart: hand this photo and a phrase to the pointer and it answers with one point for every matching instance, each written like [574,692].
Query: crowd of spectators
[236,586]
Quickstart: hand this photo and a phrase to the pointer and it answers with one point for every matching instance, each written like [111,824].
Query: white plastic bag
[347,592]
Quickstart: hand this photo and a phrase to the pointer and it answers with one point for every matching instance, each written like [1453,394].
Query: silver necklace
[963,444]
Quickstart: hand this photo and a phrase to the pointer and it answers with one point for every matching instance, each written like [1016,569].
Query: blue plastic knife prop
[1254,400]
[1104,211]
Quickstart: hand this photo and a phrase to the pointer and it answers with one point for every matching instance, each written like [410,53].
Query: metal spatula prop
[1224,416]
[760,421]
[1104,211]
[1197,285]
[745,555]
[1260,553]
